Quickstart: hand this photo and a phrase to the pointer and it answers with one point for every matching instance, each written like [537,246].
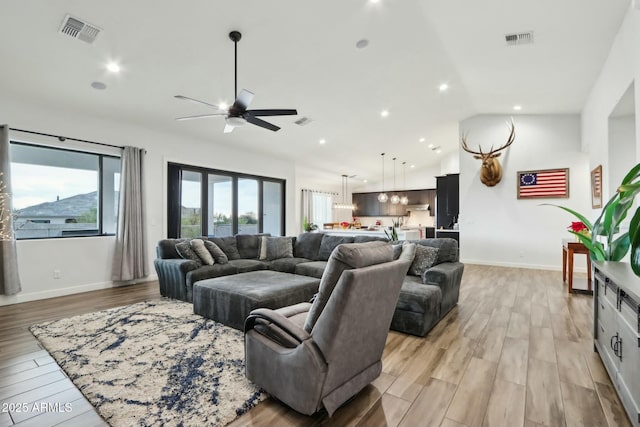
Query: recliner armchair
[319,355]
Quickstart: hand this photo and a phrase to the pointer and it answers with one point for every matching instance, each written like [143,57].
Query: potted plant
[308,226]
[604,240]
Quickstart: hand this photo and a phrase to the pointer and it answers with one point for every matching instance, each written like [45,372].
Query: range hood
[424,207]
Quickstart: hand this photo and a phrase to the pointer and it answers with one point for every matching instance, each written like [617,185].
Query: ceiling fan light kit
[237,115]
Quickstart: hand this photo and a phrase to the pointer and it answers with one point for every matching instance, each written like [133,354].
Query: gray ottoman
[230,299]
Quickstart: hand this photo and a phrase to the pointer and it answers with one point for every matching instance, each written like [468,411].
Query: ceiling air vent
[79,29]
[519,38]
[303,121]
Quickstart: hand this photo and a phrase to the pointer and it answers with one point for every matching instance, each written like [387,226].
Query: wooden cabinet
[367,203]
[617,330]
[448,203]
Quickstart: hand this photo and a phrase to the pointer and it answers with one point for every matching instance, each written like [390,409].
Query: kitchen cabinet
[617,330]
[367,203]
[448,200]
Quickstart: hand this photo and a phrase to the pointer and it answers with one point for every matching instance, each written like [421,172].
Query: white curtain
[317,207]
[9,278]
[130,260]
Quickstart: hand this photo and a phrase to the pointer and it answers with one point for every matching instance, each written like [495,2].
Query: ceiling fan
[238,115]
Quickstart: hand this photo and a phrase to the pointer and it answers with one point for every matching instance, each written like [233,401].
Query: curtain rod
[63,138]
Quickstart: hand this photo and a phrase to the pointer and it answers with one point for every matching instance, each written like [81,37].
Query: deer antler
[466,148]
[512,137]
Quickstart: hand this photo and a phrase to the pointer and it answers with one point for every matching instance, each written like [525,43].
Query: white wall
[85,263]
[622,149]
[498,229]
[620,70]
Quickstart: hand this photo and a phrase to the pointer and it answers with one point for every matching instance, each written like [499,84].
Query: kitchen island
[402,234]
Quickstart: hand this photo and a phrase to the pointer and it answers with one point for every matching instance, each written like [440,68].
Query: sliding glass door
[221,203]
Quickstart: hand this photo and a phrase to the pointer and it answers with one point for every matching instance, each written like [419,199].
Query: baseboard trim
[553,267]
[60,292]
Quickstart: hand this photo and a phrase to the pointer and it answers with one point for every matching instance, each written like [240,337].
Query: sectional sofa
[424,298]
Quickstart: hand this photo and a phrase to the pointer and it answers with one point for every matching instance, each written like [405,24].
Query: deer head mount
[491,171]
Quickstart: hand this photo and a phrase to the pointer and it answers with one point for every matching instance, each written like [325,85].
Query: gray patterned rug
[153,364]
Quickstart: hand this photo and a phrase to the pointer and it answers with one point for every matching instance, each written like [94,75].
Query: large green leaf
[634,234]
[619,247]
[631,175]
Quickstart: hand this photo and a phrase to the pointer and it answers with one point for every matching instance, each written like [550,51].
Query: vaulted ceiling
[303,55]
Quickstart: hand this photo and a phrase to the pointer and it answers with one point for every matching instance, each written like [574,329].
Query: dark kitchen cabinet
[448,203]
[367,203]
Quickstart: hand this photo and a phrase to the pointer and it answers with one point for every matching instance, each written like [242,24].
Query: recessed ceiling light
[362,43]
[223,105]
[438,151]
[443,87]
[113,67]
[517,107]
[384,113]
[413,166]
[374,1]
[322,141]
[365,181]
[421,140]
[430,145]
[98,85]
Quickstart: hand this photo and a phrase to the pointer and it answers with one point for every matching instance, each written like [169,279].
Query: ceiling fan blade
[273,112]
[186,98]
[228,128]
[243,100]
[203,116]
[259,122]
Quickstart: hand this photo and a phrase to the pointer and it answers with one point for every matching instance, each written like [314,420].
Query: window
[220,203]
[63,193]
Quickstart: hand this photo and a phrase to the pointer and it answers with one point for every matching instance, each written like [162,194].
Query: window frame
[174,197]
[100,189]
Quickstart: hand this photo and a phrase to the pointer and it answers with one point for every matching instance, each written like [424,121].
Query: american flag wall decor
[548,183]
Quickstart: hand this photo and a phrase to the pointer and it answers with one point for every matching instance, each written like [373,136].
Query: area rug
[154,364]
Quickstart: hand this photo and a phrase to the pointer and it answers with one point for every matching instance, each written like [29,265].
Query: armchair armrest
[272,318]
[439,274]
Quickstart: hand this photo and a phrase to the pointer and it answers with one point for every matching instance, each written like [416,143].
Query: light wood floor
[516,351]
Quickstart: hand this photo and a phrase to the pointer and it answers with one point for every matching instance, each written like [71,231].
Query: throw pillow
[185,251]
[397,250]
[198,247]
[262,252]
[329,243]
[228,246]
[408,252]
[276,248]
[425,257]
[216,252]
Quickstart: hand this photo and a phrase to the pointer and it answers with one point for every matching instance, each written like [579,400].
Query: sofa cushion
[248,245]
[365,239]
[345,257]
[166,248]
[228,246]
[246,265]
[329,243]
[307,245]
[198,247]
[311,269]
[275,248]
[425,257]
[218,255]
[448,248]
[419,298]
[209,272]
[184,251]
[288,265]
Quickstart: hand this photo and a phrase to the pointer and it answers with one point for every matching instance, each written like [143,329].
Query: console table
[616,333]
[568,249]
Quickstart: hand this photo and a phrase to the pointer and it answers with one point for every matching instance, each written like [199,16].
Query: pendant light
[345,190]
[404,200]
[395,199]
[382,197]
